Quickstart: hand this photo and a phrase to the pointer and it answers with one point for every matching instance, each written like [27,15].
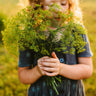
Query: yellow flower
[39,21]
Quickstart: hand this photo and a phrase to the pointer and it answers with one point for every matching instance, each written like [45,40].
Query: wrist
[60,72]
[39,71]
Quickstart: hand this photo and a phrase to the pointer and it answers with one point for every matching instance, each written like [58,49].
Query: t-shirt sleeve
[26,58]
[87,52]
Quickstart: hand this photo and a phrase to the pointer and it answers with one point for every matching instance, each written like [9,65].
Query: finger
[47,64]
[51,74]
[43,57]
[51,60]
[54,55]
[48,69]
[41,72]
[40,59]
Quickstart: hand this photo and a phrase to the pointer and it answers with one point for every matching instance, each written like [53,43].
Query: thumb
[54,55]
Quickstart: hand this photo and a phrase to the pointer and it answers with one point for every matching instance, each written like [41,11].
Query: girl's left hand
[51,66]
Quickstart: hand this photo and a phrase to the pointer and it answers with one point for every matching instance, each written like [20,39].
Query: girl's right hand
[42,72]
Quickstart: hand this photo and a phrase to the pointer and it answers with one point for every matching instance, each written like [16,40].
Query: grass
[89,17]
[9,7]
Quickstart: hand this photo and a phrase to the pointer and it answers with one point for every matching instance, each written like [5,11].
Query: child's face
[63,3]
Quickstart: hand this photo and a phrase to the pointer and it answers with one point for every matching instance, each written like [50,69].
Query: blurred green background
[9,82]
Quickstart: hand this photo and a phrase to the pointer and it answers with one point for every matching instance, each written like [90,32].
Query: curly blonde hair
[73,6]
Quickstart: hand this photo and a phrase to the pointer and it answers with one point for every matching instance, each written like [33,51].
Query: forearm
[76,72]
[29,76]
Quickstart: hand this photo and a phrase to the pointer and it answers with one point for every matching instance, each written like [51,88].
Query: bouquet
[30,28]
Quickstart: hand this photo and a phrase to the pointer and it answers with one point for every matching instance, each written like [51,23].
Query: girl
[71,68]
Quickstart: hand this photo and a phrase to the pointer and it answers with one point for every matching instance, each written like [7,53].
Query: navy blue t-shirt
[67,87]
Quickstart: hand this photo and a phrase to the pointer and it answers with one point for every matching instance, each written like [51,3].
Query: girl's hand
[50,66]
[42,72]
